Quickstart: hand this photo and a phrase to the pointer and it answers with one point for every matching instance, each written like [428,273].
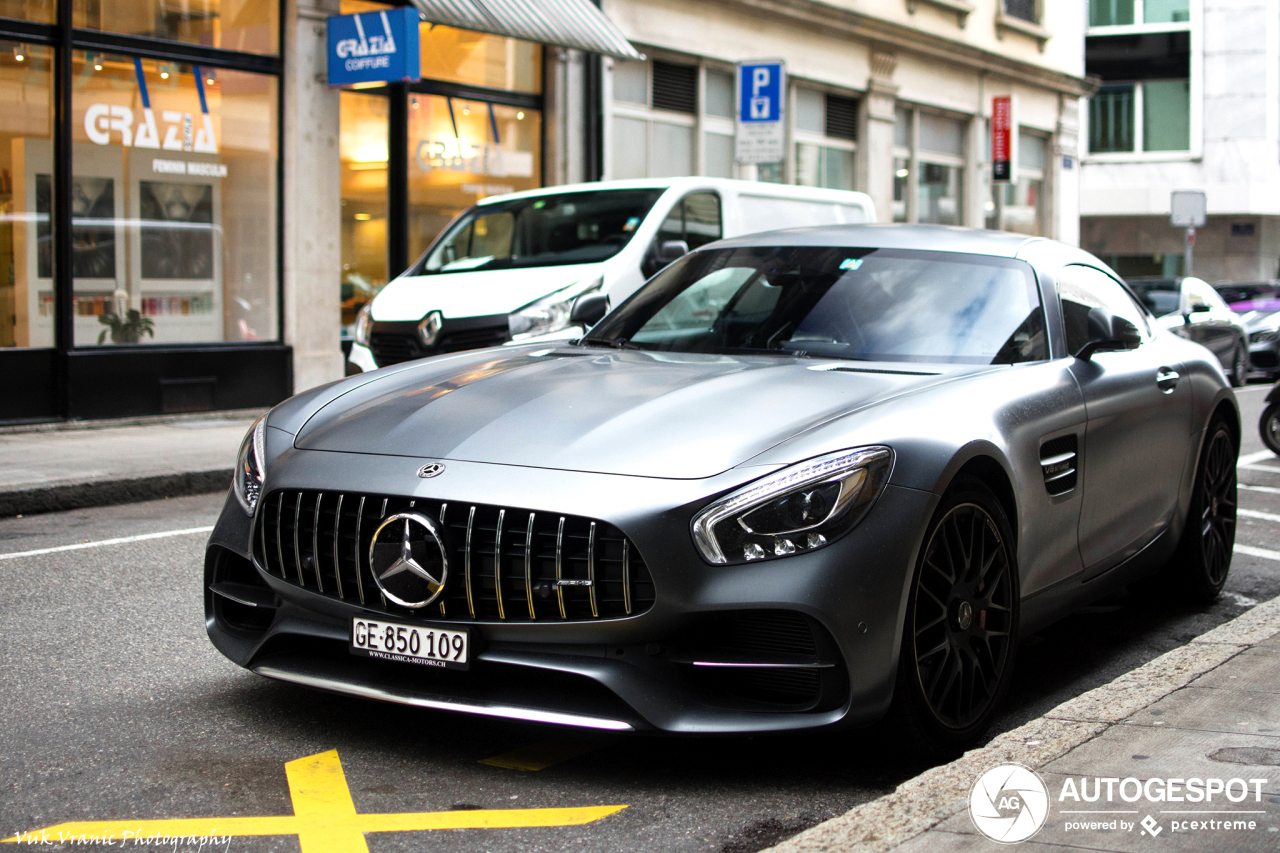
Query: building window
[1113,13]
[1023,9]
[1111,119]
[26,244]
[929,161]
[655,120]
[461,56]
[1019,205]
[461,151]
[1151,115]
[362,149]
[173,199]
[249,26]
[826,133]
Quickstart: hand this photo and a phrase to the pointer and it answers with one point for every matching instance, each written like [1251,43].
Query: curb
[141,420]
[110,492]
[936,795]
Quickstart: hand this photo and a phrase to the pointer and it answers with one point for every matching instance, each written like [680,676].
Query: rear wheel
[961,627]
[1204,554]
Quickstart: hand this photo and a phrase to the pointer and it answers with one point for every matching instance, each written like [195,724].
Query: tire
[1239,366]
[1204,552]
[1269,427]
[960,634]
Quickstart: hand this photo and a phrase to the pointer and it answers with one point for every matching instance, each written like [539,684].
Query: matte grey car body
[640,442]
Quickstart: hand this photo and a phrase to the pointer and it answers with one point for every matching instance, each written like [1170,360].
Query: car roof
[684,184]
[937,238]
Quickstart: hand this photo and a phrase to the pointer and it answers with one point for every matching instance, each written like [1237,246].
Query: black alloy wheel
[1205,550]
[1239,366]
[1269,427]
[961,626]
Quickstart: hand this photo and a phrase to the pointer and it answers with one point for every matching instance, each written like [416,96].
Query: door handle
[1167,379]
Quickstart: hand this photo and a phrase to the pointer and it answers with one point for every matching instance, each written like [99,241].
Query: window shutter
[675,87]
[842,117]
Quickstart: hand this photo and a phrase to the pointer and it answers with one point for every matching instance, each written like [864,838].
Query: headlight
[551,313]
[798,509]
[1265,335]
[247,481]
[364,324]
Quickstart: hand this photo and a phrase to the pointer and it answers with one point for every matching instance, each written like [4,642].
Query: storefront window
[26,125]
[479,59]
[462,151]
[362,147]
[250,26]
[38,11]
[173,202]
[940,185]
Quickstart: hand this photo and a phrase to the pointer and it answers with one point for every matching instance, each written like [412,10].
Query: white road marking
[1253,513]
[1272,469]
[1241,600]
[1250,458]
[123,540]
[1250,551]
[1271,490]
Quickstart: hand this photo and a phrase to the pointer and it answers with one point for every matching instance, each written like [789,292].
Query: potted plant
[130,329]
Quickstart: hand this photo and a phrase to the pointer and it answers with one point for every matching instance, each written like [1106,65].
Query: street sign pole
[1187,210]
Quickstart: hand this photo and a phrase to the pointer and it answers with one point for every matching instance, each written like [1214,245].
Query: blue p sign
[760,92]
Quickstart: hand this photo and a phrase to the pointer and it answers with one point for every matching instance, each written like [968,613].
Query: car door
[695,219]
[1138,424]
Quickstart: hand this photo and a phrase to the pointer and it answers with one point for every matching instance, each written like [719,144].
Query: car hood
[632,413]
[474,294]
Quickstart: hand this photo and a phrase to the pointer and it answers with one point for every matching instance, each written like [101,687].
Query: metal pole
[1188,247]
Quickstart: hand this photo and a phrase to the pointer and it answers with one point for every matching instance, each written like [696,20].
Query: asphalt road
[115,706]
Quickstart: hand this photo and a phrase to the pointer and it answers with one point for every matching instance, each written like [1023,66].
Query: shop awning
[565,23]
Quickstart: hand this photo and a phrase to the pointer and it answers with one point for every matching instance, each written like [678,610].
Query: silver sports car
[797,480]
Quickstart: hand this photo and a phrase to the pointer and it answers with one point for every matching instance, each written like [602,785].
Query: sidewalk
[1208,710]
[59,467]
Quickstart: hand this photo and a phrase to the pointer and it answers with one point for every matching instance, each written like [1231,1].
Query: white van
[511,267]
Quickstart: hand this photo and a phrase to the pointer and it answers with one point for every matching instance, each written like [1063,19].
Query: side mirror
[1109,333]
[672,250]
[588,309]
[1199,307]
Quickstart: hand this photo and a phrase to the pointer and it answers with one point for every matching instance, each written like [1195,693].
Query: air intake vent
[1058,462]
[842,117]
[675,87]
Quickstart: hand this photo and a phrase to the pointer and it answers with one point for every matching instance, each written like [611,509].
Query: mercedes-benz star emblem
[410,562]
[431,469]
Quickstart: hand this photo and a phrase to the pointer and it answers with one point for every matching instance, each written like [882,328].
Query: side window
[695,220]
[1081,289]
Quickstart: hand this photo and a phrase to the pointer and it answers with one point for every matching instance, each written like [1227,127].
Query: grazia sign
[374,47]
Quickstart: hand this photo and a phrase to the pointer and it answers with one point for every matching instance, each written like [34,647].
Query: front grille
[474,339]
[393,343]
[504,563]
[390,348]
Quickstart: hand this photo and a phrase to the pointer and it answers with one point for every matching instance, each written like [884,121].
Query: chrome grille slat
[337,529]
[566,567]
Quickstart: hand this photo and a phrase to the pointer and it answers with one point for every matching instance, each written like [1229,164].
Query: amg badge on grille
[409,559]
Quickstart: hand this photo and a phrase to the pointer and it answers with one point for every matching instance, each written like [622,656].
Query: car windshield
[543,231]
[855,303]
[1161,296]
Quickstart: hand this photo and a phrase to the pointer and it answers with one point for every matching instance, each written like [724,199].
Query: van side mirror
[1109,333]
[672,250]
[588,309]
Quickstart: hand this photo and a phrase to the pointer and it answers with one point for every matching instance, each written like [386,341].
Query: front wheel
[1239,366]
[1204,553]
[1269,427]
[960,633]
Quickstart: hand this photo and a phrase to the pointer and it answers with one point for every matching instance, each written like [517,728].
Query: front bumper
[638,672]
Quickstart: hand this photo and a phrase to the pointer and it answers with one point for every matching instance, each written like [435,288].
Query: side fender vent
[1058,463]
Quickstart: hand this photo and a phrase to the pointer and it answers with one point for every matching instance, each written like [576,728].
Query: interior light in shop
[364,217]
[18,54]
[901,173]
[367,166]
[413,102]
[520,116]
[466,111]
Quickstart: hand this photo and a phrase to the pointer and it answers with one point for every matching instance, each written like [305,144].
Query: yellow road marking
[538,756]
[324,817]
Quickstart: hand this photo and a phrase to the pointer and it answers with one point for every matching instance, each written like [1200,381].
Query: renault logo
[431,469]
[409,560]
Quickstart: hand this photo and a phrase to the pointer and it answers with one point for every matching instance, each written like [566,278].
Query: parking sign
[761,132]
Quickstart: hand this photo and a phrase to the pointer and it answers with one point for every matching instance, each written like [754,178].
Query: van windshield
[548,230]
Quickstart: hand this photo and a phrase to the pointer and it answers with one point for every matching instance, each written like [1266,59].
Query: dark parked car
[1258,304]
[1192,309]
[799,479]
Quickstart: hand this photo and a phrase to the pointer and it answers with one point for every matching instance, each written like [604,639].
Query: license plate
[427,646]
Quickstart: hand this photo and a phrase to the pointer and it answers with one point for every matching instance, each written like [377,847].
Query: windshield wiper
[620,343]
